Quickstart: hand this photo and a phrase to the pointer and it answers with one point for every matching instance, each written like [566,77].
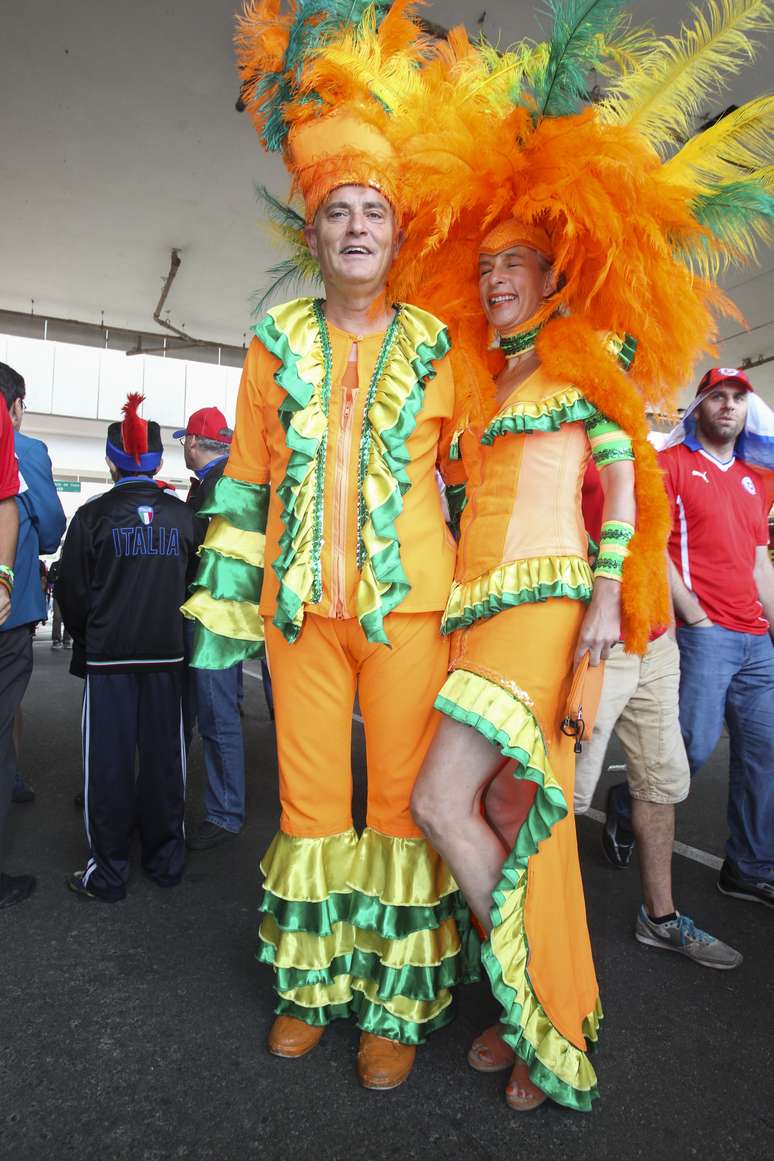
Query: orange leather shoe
[291,1038]
[383,1063]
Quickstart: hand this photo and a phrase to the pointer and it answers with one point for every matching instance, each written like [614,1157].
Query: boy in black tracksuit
[126,562]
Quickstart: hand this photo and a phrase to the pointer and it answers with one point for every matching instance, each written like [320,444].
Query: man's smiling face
[354,237]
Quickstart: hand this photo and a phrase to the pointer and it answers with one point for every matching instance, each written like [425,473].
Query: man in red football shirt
[722,583]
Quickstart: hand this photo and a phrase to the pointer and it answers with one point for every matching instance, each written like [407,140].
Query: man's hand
[601,627]
[5,604]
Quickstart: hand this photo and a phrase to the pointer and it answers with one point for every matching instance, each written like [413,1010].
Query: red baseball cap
[718,375]
[208,422]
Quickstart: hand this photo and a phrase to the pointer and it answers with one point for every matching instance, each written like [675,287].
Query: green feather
[299,271]
[577,46]
[739,215]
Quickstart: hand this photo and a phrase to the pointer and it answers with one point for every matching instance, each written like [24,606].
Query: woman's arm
[601,627]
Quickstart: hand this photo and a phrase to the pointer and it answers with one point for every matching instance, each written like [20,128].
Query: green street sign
[68,485]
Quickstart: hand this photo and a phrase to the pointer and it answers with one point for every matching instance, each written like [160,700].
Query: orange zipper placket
[340,492]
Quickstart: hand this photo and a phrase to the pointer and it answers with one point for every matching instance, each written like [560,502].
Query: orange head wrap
[505,235]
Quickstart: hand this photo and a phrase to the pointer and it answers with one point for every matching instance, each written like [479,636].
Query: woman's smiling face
[512,285]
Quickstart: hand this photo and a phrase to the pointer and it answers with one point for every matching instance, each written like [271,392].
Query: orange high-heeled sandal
[490,1053]
[521,1094]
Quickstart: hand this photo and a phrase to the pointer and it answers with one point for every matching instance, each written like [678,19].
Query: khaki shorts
[640,703]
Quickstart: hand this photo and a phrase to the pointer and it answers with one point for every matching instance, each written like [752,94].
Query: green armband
[613,549]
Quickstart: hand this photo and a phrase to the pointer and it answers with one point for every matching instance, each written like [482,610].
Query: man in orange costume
[344,411]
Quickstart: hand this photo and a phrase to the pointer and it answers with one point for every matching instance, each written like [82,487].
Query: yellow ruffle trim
[400,872]
[235,543]
[300,949]
[531,579]
[340,992]
[237,619]
[508,723]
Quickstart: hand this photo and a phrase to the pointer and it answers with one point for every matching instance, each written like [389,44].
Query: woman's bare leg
[446,804]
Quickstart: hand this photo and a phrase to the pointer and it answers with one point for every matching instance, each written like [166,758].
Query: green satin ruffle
[420,341]
[519,582]
[225,595]
[373,1018]
[567,406]
[556,1065]
[243,505]
[291,333]
[380,929]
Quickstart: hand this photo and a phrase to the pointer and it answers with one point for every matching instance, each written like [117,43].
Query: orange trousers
[314,682]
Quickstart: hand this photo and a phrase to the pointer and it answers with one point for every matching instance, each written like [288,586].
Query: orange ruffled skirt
[510,678]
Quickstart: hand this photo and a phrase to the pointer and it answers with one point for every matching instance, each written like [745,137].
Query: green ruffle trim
[400,393]
[225,595]
[342,949]
[212,651]
[565,407]
[370,1017]
[300,394]
[559,1068]
[229,579]
[522,582]
[245,506]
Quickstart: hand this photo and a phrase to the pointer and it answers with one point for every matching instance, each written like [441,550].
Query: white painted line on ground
[683,849]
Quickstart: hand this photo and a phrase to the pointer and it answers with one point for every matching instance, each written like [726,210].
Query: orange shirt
[259,455]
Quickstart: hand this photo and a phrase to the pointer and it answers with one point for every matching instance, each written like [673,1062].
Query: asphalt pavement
[135,1032]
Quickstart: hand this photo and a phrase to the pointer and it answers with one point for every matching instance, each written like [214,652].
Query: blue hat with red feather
[134,444]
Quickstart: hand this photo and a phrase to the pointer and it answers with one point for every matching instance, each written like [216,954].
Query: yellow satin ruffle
[227,540]
[509,944]
[504,585]
[299,949]
[238,619]
[397,390]
[308,870]
[340,992]
[400,872]
[507,709]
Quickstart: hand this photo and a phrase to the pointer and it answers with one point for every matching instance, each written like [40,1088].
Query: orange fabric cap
[511,233]
[340,149]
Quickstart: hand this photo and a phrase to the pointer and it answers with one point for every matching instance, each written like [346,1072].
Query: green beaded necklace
[518,344]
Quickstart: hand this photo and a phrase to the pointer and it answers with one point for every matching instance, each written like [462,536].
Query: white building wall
[74,392]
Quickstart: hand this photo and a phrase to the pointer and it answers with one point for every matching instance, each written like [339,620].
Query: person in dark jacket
[126,562]
[212,695]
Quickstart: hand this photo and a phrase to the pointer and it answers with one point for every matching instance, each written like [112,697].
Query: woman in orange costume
[520,622]
[602,229]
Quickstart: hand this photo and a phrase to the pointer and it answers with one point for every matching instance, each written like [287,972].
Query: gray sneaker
[682,934]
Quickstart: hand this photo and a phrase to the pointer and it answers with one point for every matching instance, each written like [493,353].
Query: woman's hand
[601,627]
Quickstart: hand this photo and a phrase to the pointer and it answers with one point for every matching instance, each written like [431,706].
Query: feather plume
[134,430]
[739,143]
[663,94]
[299,271]
[740,217]
[272,47]
[581,28]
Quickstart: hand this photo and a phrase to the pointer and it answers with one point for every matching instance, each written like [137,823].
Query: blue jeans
[212,701]
[725,674]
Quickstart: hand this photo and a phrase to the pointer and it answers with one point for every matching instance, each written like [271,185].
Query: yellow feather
[664,91]
[730,150]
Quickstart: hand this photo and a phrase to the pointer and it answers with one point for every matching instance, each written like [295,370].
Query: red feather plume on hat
[134,430]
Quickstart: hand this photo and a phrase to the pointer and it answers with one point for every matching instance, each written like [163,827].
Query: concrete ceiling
[120,140]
